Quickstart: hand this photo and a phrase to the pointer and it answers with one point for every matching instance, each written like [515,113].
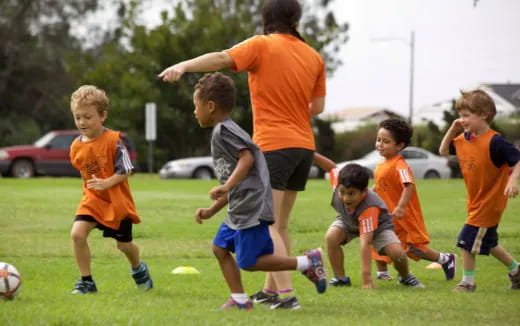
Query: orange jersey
[284,75]
[485,183]
[390,179]
[97,157]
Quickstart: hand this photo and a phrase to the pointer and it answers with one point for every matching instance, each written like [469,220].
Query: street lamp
[411,44]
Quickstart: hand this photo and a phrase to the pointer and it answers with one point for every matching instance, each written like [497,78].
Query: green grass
[36,216]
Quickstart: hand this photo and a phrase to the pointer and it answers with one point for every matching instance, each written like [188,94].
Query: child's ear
[400,146]
[212,106]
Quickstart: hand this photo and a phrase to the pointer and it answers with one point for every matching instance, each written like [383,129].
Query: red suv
[49,155]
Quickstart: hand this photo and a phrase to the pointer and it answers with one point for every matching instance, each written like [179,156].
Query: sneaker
[316,272]
[142,277]
[384,277]
[264,298]
[411,281]
[290,303]
[340,281]
[84,287]
[515,280]
[465,287]
[450,267]
[230,304]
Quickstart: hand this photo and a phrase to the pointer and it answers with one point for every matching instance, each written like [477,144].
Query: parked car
[424,164]
[199,168]
[49,155]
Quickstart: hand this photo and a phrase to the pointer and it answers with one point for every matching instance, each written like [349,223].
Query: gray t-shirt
[250,201]
[351,220]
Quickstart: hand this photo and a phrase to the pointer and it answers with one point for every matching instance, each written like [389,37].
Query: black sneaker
[264,298]
[84,287]
[290,303]
[340,281]
[450,267]
[142,277]
[515,280]
[411,281]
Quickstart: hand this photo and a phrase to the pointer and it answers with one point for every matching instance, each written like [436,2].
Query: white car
[199,168]
[424,164]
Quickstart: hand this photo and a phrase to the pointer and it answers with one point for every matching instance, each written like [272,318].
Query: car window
[410,154]
[44,140]
[61,141]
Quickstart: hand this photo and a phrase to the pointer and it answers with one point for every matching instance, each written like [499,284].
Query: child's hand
[217,192]
[202,214]
[368,283]
[97,184]
[398,213]
[511,188]
[172,74]
[456,125]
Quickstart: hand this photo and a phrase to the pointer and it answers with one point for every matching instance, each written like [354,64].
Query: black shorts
[478,240]
[289,168]
[123,234]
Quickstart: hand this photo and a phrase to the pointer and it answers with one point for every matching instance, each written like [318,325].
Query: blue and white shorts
[248,244]
[478,240]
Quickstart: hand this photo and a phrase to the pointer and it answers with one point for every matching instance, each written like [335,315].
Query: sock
[302,263]
[443,258]
[138,268]
[269,292]
[468,277]
[513,267]
[285,293]
[239,297]
[379,273]
[87,278]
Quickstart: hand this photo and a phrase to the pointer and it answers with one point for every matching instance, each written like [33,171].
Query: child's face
[351,197]
[89,121]
[472,122]
[202,111]
[386,145]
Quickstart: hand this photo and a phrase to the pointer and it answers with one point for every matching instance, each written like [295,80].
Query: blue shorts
[248,244]
[478,240]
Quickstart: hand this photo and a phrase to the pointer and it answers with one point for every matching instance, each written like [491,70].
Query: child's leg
[446,260]
[131,251]
[334,238]
[502,255]
[79,234]
[468,264]
[229,269]
[398,256]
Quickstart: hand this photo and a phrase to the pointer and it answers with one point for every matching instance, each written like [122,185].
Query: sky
[458,45]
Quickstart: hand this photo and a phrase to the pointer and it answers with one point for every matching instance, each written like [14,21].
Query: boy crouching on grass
[485,159]
[363,214]
[107,203]
[242,171]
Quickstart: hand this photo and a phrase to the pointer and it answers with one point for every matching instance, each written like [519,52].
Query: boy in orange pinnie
[107,204]
[485,159]
[395,184]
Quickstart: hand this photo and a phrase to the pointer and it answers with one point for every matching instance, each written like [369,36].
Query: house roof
[509,92]
[359,113]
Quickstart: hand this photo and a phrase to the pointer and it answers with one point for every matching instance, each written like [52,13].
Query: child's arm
[207,62]
[206,213]
[406,195]
[246,160]
[455,128]
[102,184]
[366,260]
[323,162]
[512,183]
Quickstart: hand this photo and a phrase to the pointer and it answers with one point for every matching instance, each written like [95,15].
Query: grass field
[36,217]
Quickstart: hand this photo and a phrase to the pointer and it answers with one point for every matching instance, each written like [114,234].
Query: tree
[126,66]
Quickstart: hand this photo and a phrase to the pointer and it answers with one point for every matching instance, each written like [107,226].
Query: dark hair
[400,130]
[218,88]
[354,176]
[282,16]
[477,102]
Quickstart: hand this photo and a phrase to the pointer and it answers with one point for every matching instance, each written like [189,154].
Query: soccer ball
[10,281]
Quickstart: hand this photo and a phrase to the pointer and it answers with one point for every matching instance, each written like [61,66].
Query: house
[352,118]
[506,97]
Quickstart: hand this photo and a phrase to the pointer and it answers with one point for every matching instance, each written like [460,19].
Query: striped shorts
[478,240]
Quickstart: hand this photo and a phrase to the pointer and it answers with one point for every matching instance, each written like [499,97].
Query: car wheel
[22,169]
[202,173]
[432,175]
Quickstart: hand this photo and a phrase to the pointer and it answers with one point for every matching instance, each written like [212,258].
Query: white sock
[302,263]
[443,258]
[468,279]
[379,273]
[239,297]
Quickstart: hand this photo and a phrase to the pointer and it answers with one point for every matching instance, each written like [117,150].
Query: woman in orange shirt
[287,85]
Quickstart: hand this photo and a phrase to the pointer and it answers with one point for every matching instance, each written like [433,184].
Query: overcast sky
[457,46]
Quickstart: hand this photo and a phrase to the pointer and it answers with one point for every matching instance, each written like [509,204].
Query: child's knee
[220,253]
[124,246]
[334,237]
[78,236]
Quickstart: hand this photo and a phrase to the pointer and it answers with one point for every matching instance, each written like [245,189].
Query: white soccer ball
[10,281]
